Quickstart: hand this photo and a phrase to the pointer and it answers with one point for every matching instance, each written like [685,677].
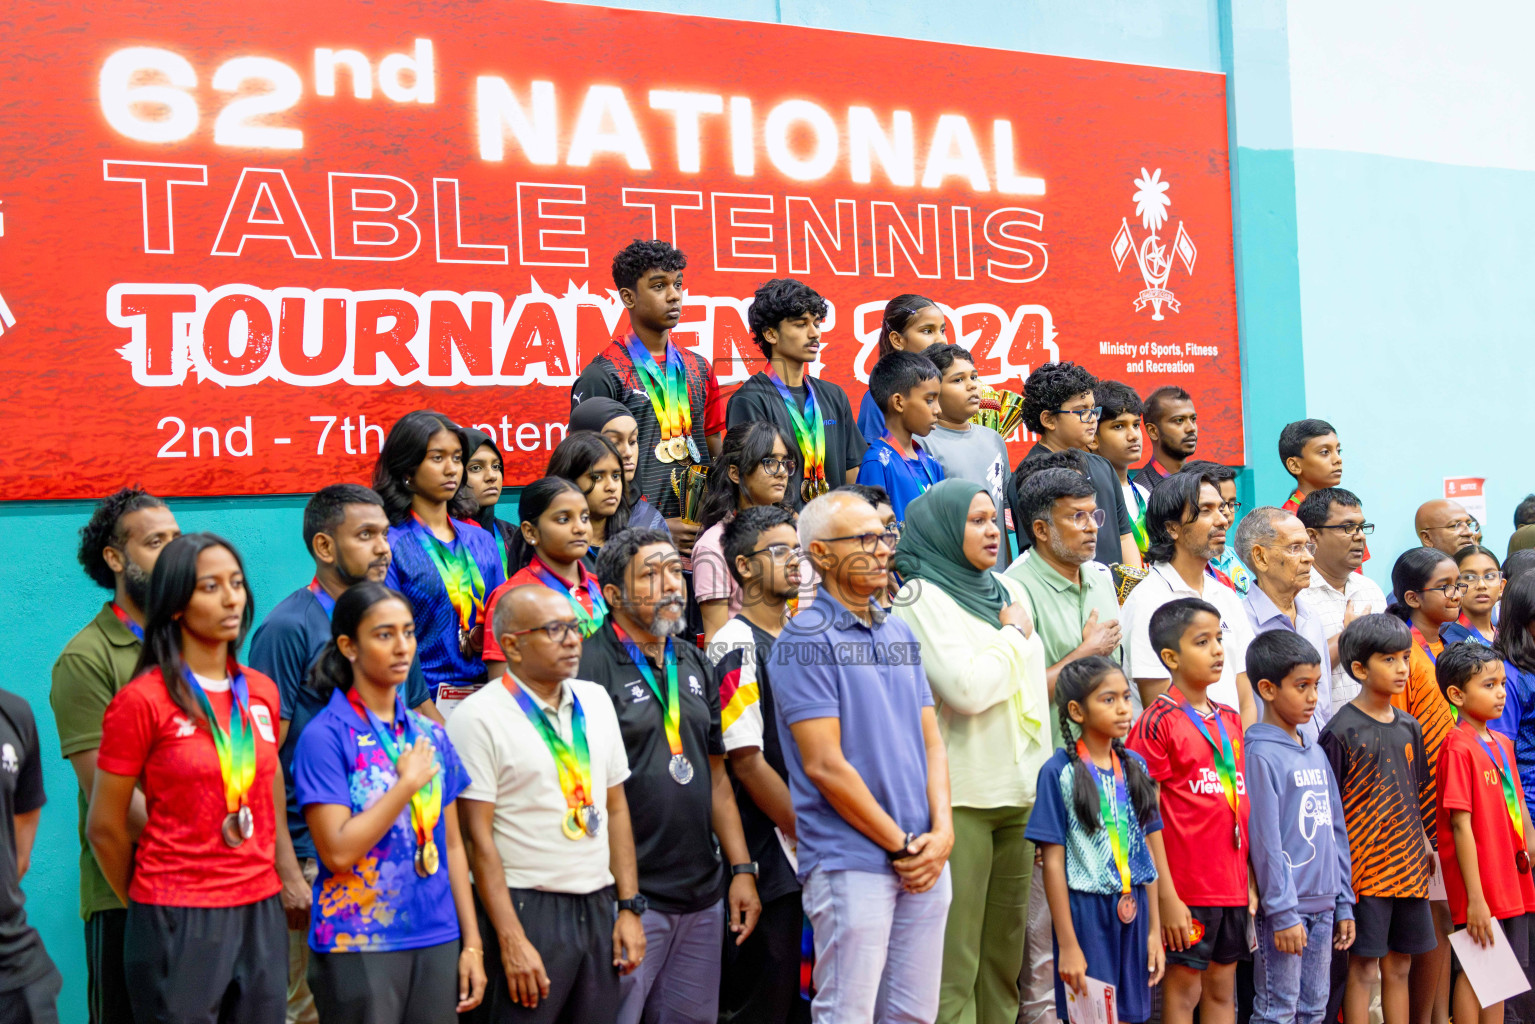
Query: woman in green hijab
[986,668]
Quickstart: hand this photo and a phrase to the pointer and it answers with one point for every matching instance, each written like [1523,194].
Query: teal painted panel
[1415,281]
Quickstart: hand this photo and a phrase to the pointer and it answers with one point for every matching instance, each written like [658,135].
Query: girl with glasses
[753,469]
[1483,580]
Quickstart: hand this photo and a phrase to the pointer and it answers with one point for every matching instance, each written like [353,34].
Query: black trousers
[759,979]
[407,986]
[574,936]
[207,965]
[106,987]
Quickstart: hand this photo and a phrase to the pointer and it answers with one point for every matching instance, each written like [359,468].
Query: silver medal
[681,769]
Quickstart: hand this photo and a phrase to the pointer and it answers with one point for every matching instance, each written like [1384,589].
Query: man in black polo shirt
[29,983]
[1058,405]
[786,320]
[760,981]
[347,534]
[667,701]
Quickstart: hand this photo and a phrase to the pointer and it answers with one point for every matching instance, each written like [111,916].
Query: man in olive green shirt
[118,549]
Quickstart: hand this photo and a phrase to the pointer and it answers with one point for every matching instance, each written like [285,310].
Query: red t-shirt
[181,860]
[1469,780]
[522,578]
[1207,867]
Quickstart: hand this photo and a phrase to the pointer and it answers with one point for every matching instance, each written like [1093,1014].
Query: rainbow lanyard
[123,617]
[670,702]
[1510,795]
[1138,522]
[327,603]
[426,802]
[668,391]
[572,760]
[1222,754]
[1108,809]
[460,574]
[1295,499]
[809,427]
[236,745]
[589,615]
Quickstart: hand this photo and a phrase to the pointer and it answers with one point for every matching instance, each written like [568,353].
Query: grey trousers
[678,982]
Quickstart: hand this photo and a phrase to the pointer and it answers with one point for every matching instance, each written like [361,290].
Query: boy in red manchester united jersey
[1482,818]
[1193,748]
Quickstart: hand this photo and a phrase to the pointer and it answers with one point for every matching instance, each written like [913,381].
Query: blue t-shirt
[1518,723]
[828,664]
[412,573]
[1089,858]
[902,478]
[871,419]
[382,904]
[284,648]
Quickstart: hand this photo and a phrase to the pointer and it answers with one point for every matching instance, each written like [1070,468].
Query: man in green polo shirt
[118,549]
[1075,609]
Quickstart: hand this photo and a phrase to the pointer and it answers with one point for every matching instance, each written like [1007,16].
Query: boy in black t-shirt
[29,983]
[786,318]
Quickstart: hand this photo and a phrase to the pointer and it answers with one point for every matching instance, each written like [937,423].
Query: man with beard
[1186,520]
[118,548]
[1172,427]
[680,798]
[347,534]
[760,980]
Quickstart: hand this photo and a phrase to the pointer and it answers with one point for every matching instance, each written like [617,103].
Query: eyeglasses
[775,465]
[870,541]
[1459,588]
[1468,524]
[780,551]
[1295,549]
[1229,509]
[558,630]
[1351,529]
[1080,519]
[1085,415]
[1469,579]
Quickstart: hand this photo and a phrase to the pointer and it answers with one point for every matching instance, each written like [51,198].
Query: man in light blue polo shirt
[1275,546]
[867,775]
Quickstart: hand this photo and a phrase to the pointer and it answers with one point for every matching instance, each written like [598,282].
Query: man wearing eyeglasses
[868,777]
[551,852]
[1059,406]
[1446,525]
[1278,550]
[1339,592]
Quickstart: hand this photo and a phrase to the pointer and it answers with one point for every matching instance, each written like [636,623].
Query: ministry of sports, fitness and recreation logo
[1151,255]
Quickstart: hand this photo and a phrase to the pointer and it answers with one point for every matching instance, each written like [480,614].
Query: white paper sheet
[1493,971]
[1097,1007]
[1436,890]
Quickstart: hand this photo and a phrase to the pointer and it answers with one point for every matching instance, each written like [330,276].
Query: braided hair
[1077,682]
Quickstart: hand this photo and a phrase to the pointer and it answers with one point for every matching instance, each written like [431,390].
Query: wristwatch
[636,904]
[749,868]
[903,852]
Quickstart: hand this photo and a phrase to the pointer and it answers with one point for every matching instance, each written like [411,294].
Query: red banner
[238,241]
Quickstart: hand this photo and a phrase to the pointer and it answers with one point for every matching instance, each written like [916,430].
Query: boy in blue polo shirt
[906,387]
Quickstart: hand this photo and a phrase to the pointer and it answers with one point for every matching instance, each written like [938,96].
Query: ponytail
[1413,569]
[1076,682]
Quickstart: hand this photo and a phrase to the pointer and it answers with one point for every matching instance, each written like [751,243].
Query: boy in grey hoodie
[1299,844]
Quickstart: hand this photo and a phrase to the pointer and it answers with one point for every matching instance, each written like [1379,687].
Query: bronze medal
[678,446]
[663,452]
[427,860]
[1127,908]
[1522,861]
[237,827]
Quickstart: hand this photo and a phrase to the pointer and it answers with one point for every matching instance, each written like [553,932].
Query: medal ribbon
[1119,834]
[426,802]
[127,620]
[667,391]
[1138,522]
[236,745]
[1510,795]
[572,760]
[669,699]
[460,575]
[809,427]
[1222,754]
[327,603]
[588,615]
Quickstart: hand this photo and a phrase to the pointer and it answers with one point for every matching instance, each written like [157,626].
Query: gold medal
[807,490]
[678,446]
[663,452]
[427,861]
[570,825]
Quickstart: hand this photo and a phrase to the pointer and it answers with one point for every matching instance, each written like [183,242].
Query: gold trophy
[688,486]
[1001,411]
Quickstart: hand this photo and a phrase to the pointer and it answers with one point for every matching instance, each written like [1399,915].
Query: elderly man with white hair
[1275,545]
[867,775]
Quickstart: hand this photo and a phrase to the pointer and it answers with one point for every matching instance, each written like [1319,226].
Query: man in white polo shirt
[1334,519]
[1186,521]
[548,825]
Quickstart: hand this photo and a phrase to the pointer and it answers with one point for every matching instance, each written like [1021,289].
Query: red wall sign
[237,242]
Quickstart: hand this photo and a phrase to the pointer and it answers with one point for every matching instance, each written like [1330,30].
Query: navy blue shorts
[1115,951]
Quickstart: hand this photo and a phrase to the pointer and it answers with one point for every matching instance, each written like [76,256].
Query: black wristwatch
[904,851]
[749,868]
[637,904]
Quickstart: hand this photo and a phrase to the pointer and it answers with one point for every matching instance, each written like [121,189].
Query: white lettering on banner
[1209,784]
